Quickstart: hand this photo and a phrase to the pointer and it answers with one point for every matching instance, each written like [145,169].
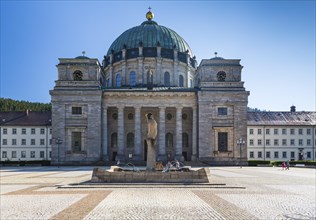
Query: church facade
[99,109]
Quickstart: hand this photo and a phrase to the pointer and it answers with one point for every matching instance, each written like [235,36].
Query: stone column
[138,145]
[194,133]
[105,156]
[162,134]
[120,133]
[179,134]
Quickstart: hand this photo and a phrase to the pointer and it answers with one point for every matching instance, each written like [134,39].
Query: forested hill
[7,105]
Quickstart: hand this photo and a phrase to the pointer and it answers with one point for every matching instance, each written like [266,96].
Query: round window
[184,116]
[114,116]
[169,116]
[130,116]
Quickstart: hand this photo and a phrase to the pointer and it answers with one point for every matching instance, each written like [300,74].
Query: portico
[124,125]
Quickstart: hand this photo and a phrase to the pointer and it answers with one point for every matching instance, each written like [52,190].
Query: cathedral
[99,108]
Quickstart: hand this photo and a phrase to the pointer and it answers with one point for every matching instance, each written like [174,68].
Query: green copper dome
[149,34]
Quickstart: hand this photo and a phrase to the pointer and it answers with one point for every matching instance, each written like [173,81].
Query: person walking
[287,165]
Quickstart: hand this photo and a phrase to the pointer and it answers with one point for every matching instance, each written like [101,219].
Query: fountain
[172,173]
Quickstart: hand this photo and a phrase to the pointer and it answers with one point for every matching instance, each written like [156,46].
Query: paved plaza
[233,193]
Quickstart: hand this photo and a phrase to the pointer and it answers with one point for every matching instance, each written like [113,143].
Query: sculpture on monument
[151,141]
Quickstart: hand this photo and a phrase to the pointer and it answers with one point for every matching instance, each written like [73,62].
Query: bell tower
[222,101]
[76,111]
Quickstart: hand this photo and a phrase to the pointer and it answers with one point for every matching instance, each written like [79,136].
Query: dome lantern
[149,14]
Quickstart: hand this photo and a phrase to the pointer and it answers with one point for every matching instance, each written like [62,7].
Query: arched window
[185,140]
[169,140]
[181,81]
[132,78]
[114,140]
[130,140]
[167,79]
[118,80]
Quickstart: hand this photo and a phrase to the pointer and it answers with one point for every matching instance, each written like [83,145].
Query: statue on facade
[151,141]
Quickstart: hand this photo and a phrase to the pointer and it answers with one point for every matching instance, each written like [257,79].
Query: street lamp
[58,142]
[240,142]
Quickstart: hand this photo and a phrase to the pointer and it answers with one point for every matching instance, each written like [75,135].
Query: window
[300,131]
[32,141]
[42,154]
[50,131]
[118,80]
[32,154]
[292,131]
[191,83]
[251,131]
[222,141]
[130,116]
[276,154]
[50,154]
[132,78]
[292,154]
[268,142]
[13,130]
[251,155]
[222,111]
[283,131]
[185,140]
[42,142]
[42,131]
[284,154]
[23,142]
[259,154]
[308,142]
[33,131]
[76,141]
[276,131]
[308,131]
[4,141]
[308,154]
[283,142]
[276,142]
[23,130]
[251,142]
[114,140]
[13,141]
[4,154]
[169,140]
[259,131]
[130,140]
[167,79]
[76,110]
[268,154]
[267,131]
[23,154]
[181,81]
[50,141]
[292,142]
[13,154]
[5,131]
[300,142]
[259,142]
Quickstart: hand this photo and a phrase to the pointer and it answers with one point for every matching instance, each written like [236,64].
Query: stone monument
[151,142]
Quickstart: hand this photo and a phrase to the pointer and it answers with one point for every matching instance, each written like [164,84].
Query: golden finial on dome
[149,14]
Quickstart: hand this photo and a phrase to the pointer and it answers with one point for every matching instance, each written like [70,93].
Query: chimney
[293,108]
[27,112]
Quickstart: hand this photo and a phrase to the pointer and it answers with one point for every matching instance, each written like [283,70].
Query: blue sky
[275,41]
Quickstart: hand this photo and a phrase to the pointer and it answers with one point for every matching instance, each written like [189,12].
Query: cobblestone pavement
[249,193]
